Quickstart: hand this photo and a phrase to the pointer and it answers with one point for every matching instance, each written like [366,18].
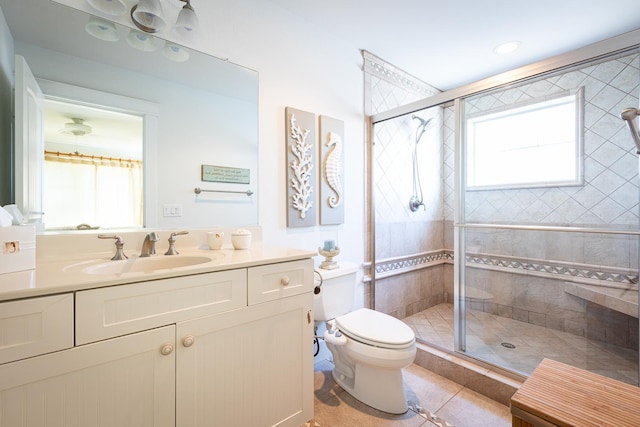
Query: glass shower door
[547,225]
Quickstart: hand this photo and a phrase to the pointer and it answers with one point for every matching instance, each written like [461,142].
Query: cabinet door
[35,326]
[249,367]
[122,382]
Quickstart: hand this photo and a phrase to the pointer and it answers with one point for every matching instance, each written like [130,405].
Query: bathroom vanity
[225,342]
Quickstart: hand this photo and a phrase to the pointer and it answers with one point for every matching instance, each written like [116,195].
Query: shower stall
[508,228]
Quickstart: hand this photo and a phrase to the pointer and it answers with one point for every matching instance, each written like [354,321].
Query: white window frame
[576,97]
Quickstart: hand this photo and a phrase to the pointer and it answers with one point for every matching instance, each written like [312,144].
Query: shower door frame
[611,46]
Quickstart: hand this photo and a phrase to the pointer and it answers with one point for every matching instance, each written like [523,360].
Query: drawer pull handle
[284,281]
[188,340]
[166,349]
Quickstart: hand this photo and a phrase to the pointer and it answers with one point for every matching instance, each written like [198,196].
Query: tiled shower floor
[487,332]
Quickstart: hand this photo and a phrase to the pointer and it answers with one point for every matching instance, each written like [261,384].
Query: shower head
[422,127]
[423,123]
[629,115]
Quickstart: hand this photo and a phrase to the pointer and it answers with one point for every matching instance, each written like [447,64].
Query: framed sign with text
[226,174]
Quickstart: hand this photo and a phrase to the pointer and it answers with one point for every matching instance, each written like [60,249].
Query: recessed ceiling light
[505,48]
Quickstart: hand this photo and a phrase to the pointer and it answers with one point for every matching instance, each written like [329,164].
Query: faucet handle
[119,246]
[172,241]
[177,233]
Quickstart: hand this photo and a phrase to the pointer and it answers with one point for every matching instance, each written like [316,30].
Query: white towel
[13,210]
[6,219]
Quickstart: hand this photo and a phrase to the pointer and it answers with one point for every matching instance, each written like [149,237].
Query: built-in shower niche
[568,295]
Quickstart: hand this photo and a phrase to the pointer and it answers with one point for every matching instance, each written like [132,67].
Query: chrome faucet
[149,244]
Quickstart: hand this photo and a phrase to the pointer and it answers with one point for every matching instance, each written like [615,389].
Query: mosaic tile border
[545,268]
[521,265]
[382,69]
[394,266]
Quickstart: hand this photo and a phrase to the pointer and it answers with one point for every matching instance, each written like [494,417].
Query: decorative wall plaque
[332,171]
[301,168]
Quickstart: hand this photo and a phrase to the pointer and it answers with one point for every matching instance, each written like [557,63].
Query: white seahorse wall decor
[301,167]
[333,168]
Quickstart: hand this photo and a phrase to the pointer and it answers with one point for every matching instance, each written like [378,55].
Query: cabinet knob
[188,340]
[166,349]
[284,281]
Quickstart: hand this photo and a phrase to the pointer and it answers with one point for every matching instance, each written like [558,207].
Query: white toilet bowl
[369,350]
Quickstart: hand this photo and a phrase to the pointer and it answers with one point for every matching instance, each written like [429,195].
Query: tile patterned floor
[434,401]
[487,332]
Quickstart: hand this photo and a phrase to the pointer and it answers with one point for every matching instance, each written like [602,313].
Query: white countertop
[67,273]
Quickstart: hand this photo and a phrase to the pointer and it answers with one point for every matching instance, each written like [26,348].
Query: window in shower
[535,144]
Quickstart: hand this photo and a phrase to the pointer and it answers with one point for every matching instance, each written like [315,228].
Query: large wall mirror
[148,111]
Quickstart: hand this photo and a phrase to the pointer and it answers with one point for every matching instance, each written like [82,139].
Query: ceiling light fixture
[148,16]
[76,127]
[102,29]
[175,53]
[187,22]
[504,48]
[142,41]
[110,7]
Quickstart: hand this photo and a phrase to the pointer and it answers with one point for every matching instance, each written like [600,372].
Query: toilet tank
[336,293]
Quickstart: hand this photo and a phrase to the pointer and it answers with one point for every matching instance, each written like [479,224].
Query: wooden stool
[561,395]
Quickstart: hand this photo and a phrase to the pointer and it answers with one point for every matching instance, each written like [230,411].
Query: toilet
[369,348]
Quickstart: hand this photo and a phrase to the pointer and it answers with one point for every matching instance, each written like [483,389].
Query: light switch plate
[172,210]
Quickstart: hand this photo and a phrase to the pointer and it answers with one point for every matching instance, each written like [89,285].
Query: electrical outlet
[172,210]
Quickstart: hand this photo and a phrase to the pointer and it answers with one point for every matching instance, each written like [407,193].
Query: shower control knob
[166,349]
[188,340]
[284,281]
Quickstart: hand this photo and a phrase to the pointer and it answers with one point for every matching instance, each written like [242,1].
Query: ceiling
[450,43]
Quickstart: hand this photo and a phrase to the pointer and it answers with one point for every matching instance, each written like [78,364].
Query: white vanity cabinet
[196,350]
[124,382]
[254,366]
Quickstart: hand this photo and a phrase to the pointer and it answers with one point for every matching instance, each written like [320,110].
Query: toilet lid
[375,328]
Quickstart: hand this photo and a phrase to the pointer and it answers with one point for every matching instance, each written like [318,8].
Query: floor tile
[470,409]
[431,398]
[486,333]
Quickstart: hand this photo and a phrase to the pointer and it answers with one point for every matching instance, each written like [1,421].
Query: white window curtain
[106,193]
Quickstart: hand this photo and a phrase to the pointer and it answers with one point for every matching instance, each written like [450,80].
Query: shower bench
[562,395]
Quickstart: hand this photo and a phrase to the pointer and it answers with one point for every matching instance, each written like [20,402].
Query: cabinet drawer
[270,282]
[35,326]
[119,310]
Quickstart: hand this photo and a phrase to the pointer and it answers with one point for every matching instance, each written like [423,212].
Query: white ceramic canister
[241,239]
[215,239]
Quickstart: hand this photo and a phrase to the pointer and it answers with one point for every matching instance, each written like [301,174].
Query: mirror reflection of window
[93,171]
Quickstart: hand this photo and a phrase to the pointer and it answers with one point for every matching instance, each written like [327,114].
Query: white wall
[303,67]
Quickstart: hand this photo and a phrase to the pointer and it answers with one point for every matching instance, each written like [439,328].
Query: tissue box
[17,248]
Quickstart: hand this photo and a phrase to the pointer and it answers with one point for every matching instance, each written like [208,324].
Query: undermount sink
[141,264]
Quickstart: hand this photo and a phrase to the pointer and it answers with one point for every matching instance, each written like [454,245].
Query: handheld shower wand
[417,199]
[629,115]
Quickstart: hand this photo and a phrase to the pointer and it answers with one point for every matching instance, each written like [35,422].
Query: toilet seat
[376,329]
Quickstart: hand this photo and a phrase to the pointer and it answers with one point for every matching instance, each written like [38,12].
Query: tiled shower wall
[609,195]
[413,271]
[406,241]
[531,275]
